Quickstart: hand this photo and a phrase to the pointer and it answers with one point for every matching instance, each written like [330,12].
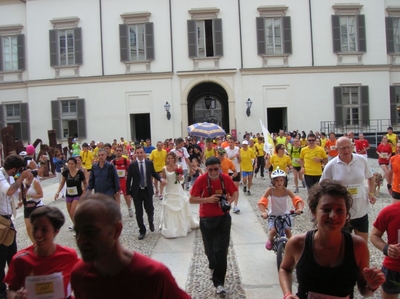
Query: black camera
[180,159]
[34,172]
[223,202]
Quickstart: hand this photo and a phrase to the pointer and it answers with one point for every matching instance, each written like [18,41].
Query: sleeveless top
[279,204]
[295,156]
[196,173]
[335,281]
[31,190]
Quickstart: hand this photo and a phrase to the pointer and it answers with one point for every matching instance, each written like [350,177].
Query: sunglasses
[311,140]
[213,169]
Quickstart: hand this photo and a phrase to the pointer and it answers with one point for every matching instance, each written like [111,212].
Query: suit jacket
[133,178]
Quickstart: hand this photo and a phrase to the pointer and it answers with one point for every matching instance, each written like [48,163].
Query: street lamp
[248,103]
[166,107]
[209,102]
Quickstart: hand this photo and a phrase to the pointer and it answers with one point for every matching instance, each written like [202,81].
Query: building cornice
[319,69]
[272,10]
[86,80]
[393,11]
[347,8]
[206,72]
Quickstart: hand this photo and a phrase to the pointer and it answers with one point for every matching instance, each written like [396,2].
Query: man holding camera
[215,191]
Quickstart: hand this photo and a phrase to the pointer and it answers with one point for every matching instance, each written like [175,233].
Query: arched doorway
[208,102]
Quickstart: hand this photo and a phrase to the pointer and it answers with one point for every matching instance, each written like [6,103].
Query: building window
[205,38]
[395,105]
[393,35]
[351,106]
[68,118]
[137,42]
[66,47]
[16,114]
[12,48]
[274,36]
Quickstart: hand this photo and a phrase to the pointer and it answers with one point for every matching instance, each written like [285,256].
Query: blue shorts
[247,173]
[388,286]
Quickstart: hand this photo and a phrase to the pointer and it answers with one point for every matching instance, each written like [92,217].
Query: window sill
[65,70]
[137,66]
[275,60]
[16,74]
[395,58]
[348,58]
[206,63]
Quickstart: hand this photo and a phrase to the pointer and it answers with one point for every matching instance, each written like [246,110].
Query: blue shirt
[149,149]
[104,180]
[58,163]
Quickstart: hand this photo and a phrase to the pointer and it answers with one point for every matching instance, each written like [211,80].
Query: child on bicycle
[279,204]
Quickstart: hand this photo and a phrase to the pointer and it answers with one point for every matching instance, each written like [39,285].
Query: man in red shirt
[215,222]
[362,145]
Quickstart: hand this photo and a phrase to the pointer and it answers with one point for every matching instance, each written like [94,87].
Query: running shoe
[236,210]
[244,189]
[304,183]
[221,289]
[248,192]
[130,211]
[296,190]
[71,227]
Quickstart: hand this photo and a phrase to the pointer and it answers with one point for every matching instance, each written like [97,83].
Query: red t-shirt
[200,189]
[142,278]
[361,146]
[27,263]
[384,149]
[388,220]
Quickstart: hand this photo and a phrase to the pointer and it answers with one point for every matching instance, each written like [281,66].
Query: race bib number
[384,155]
[333,147]
[72,190]
[354,190]
[121,173]
[312,295]
[296,160]
[45,286]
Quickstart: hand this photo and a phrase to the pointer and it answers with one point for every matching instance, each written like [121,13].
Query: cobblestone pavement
[198,283]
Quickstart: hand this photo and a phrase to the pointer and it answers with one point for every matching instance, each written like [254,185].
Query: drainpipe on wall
[101,39]
[240,36]
[311,32]
[170,32]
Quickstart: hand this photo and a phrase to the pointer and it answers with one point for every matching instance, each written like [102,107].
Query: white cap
[245,142]
[23,153]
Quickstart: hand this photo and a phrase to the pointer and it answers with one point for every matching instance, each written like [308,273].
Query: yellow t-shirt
[392,139]
[323,142]
[281,140]
[282,162]
[158,158]
[87,159]
[259,147]
[310,166]
[209,153]
[246,157]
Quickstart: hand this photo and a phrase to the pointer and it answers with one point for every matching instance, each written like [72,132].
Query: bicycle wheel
[279,253]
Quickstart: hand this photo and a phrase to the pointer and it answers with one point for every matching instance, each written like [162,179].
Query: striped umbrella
[206,130]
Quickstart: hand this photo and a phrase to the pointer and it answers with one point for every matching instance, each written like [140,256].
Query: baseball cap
[245,142]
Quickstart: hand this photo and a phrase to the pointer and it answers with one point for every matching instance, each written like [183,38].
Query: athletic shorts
[31,207]
[297,168]
[361,224]
[395,195]
[386,163]
[388,286]
[247,173]
[236,178]
[71,199]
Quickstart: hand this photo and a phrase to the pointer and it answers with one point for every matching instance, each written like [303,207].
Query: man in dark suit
[139,186]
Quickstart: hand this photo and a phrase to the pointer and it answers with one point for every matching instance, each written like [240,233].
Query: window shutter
[336,33]
[393,105]
[1,53]
[218,38]
[78,45]
[55,118]
[260,36]
[53,47]
[362,39]
[2,122]
[287,35]
[337,92]
[389,36]
[365,105]
[123,42]
[21,51]
[24,121]
[80,103]
[149,27]
[191,24]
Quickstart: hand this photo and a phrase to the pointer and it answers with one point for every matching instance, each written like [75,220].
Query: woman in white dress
[176,217]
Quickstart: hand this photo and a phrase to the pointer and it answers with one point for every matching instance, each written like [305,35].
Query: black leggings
[260,165]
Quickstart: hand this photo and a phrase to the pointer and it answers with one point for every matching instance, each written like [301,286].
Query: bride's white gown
[176,218]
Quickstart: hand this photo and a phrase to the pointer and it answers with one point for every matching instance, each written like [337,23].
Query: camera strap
[209,185]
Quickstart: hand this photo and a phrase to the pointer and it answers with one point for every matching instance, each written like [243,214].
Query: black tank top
[336,281]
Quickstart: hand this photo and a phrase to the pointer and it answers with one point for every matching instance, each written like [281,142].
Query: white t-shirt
[231,154]
[5,201]
[181,154]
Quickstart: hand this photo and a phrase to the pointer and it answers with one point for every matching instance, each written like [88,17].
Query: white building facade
[104,69]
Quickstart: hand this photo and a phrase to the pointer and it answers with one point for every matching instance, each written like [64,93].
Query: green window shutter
[287,35]
[389,36]
[53,47]
[24,122]
[218,38]
[123,42]
[1,53]
[365,105]
[78,45]
[149,28]
[393,105]
[81,119]
[261,48]
[192,44]
[21,51]
[362,39]
[55,118]
[336,34]
[337,93]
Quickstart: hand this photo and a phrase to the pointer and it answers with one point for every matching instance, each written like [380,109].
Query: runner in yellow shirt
[246,166]
[159,157]
[209,151]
